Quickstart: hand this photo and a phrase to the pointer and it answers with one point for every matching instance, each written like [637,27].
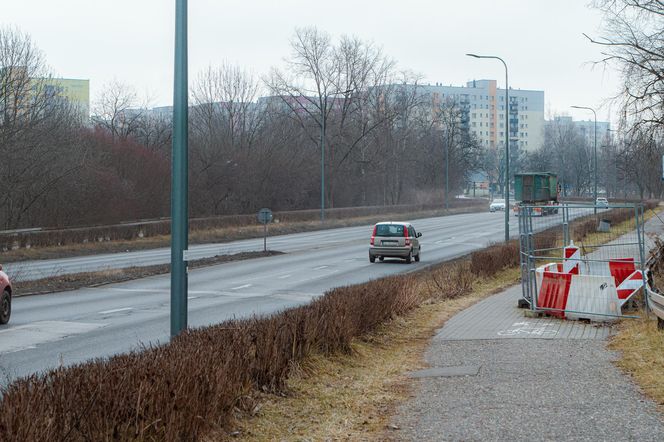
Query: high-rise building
[586,128]
[75,91]
[483,111]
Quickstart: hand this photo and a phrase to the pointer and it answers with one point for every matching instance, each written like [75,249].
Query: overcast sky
[132,41]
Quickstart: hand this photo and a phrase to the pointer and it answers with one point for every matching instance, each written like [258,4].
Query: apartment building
[483,112]
[75,91]
[586,128]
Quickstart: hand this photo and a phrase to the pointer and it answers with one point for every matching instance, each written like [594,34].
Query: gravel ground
[528,389]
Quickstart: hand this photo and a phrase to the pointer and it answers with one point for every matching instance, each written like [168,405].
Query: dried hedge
[181,390]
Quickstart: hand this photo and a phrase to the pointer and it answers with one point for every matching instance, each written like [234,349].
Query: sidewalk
[499,376]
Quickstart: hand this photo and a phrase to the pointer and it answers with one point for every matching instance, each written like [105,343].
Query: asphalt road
[64,328]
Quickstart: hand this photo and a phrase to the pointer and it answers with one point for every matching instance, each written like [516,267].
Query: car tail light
[405,233]
[373,235]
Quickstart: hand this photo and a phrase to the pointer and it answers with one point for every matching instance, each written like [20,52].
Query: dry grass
[352,396]
[641,348]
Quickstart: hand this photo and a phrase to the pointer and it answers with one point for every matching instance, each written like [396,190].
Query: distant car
[395,240]
[602,202]
[5,297]
[497,204]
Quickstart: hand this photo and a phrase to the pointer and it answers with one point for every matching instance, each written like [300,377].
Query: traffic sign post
[264,217]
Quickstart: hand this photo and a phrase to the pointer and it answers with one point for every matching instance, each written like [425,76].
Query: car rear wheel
[372,258]
[381,258]
[409,258]
[5,307]
[417,257]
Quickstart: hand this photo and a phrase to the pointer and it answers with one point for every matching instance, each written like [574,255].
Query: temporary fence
[581,261]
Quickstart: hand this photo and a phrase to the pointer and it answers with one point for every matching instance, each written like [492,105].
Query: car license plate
[389,243]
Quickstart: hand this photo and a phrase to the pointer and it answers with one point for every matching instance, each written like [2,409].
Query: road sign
[264,216]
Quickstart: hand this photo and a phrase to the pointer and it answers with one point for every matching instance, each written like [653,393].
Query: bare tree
[327,91]
[633,40]
[38,131]
[118,110]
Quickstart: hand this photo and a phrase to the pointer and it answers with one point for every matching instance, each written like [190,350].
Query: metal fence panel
[581,261]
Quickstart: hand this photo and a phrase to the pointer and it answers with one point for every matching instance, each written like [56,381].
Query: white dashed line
[320,267]
[241,287]
[117,310]
[284,276]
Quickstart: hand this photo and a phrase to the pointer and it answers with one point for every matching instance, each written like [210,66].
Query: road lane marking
[285,276]
[118,289]
[192,297]
[117,310]
[241,287]
[320,267]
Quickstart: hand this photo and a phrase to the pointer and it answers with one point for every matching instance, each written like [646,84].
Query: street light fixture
[507,144]
[595,148]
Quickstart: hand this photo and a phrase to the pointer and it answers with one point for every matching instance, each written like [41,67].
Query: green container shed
[536,187]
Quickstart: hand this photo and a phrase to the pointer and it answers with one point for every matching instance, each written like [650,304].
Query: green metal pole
[507,155]
[447,173]
[322,167]
[595,155]
[507,145]
[179,178]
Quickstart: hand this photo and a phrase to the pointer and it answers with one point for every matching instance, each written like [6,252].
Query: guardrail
[130,230]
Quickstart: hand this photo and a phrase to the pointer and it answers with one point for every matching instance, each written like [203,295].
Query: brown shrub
[180,390]
[489,261]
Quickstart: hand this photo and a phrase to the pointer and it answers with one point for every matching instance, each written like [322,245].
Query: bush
[183,389]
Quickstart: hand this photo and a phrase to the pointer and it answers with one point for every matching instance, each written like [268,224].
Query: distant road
[74,326]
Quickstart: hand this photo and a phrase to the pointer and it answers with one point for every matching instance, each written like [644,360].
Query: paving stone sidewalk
[509,378]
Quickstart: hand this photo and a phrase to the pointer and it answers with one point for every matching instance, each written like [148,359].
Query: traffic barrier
[630,286]
[577,288]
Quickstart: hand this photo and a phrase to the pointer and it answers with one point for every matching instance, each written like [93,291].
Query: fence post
[641,237]
[565,225]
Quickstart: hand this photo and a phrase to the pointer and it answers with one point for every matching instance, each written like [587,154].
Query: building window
[474,124]
[474,115]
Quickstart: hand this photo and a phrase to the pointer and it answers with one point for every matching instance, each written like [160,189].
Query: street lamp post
[322,167]
[594,149]
[507,144]
[447,171]
[179,175]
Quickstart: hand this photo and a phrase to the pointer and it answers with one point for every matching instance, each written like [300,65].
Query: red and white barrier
[577,288]
[630,286]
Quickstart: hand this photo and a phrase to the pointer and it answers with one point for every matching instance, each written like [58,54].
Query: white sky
[132,41]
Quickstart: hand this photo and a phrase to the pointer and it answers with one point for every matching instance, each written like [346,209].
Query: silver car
[395,240]
[497,204]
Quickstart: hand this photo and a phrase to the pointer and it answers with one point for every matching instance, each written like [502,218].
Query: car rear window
[389,230]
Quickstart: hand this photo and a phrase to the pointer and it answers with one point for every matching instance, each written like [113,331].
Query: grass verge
[352,396]
[641,345]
